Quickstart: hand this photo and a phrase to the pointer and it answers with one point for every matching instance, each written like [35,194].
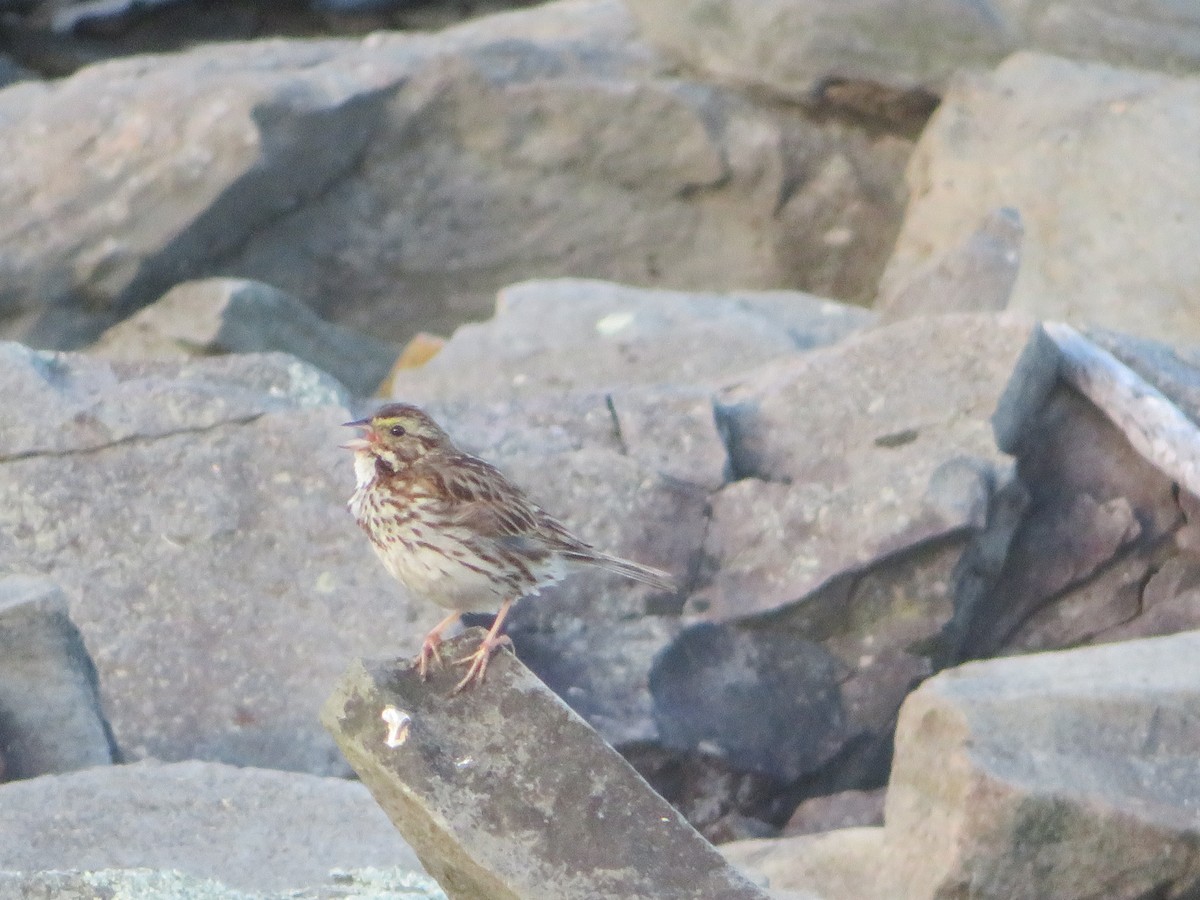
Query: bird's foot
[478,661]
[429,653]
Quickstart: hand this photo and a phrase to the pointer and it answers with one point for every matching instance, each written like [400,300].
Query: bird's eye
[397,431]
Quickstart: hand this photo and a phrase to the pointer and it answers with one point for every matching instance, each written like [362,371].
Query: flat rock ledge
[504,792]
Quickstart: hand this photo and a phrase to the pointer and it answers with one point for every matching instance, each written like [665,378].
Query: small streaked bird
[453,530]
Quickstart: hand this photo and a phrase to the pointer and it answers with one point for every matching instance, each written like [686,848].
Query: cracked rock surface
[193,513]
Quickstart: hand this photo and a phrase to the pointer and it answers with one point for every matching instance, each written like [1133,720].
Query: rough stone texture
[1173,369]
[855,570]
[798,48]
[884,628]
[1154,424]
[882,632]
[572,334]
[1054,139]
[840,865]
[50,716]
[1159,34]
[1060,775]
[1102,605]
[845,809]
[975,276]
[396,182]
[904,408]
[600,668]
[59,403]
[119,208]
[194,514]
[1169,603]
[250,829]
[234,315]
[721,802]
[1096,518]
[394,884]
[487,788]
[767,702]
[794,48]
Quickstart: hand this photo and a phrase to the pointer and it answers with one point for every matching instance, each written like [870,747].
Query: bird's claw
[429,651]
[478,661]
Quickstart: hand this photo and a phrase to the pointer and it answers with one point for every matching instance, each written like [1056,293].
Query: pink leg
[429,647]
[478,661]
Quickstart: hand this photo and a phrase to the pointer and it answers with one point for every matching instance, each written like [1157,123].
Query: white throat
[364,468]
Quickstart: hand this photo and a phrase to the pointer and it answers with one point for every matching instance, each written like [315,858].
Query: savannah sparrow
[451,529]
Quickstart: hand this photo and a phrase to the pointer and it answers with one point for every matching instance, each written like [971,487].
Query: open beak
[357,443]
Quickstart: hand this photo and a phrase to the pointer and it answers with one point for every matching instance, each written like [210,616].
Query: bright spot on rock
[398,724]
[614,322]
[838,237]
[325,583]
[465,763]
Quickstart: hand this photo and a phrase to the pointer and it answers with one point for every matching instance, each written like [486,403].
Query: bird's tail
[645,574]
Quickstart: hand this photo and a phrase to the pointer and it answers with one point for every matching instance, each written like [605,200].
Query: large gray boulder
[249,829]
[396,182]
[1066,775]
[505,793]
[1095,539]
[50,716]
[193,514]
[567,334]
[1100,165]
[236,315]
[802,48]
[850,453]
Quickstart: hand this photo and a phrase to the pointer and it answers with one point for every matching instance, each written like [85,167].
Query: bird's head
[398,434]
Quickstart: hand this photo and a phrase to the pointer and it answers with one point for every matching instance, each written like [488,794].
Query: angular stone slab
[505,793]
[571,334]
[50,715]
[849,454]
[1001,138]
[212,316]
[253,830]
[1065,775]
